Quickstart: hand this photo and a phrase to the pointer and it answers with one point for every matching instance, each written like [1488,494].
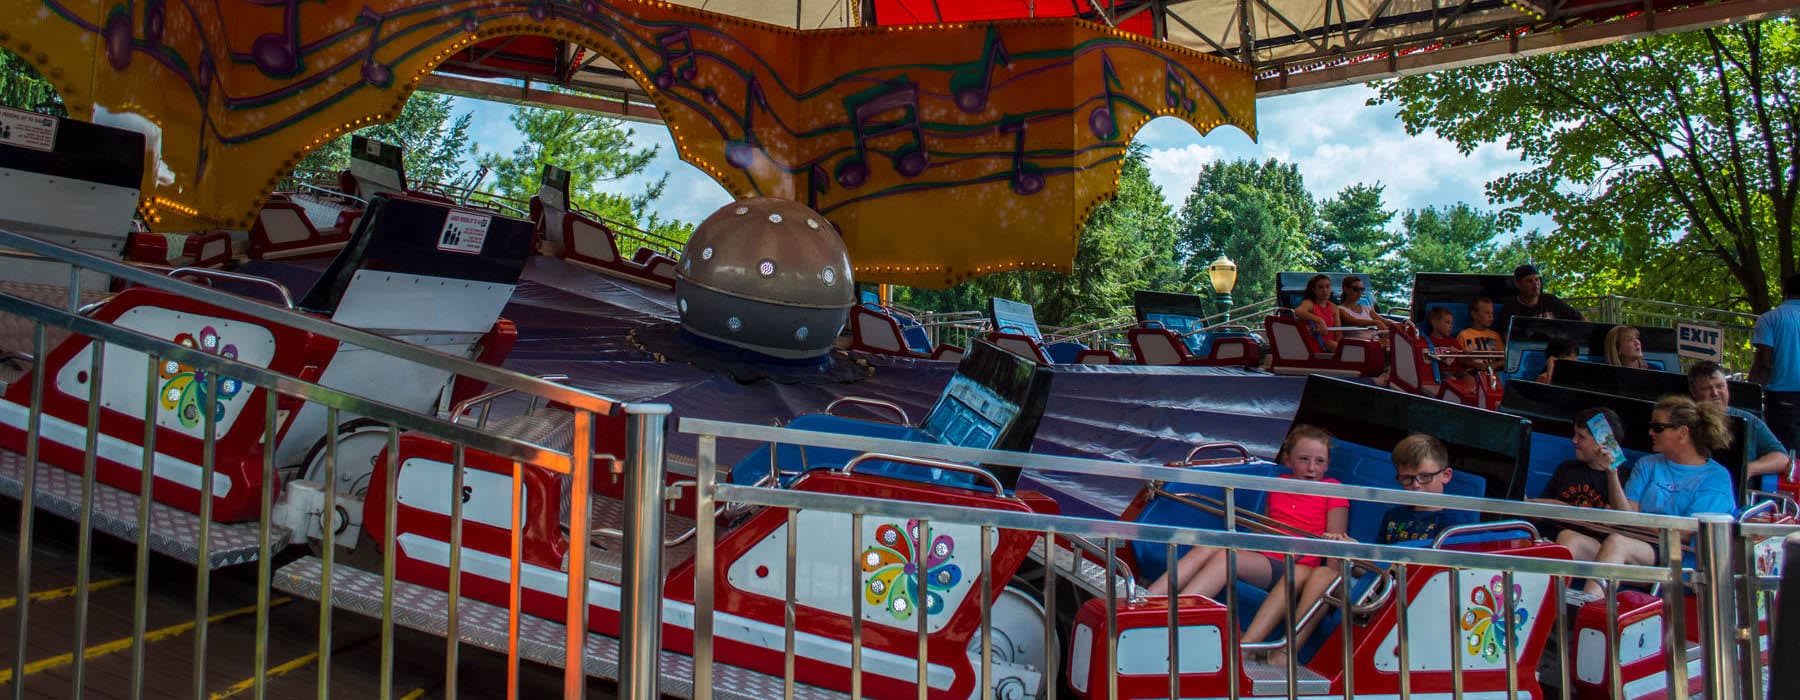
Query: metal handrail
[1496,526]
[264,377]
[1157,472]
[866,401]
[407,351]
[287,300]
[1243,454]
[977,472]
[332,192]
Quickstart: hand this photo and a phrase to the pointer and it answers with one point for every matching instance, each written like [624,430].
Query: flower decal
[184,387]
[1488,636]
[893,574]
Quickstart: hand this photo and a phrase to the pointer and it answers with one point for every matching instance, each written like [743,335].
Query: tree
[1259,214]
[1455,238]
[21,87]
[1353,236]
[596,150]
[436,145]
[1650,154]
[1127,244]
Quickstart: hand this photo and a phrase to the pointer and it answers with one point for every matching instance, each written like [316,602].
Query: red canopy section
[1129,15]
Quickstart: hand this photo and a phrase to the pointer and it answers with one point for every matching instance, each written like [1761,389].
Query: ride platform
[173,532]
[482,625]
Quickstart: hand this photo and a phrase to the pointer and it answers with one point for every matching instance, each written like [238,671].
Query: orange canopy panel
[942,152]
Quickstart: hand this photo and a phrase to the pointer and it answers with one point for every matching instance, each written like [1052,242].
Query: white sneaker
[1578,598]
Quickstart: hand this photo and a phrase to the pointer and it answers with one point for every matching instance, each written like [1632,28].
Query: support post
[640,609]
[1718,610]
[1784,681]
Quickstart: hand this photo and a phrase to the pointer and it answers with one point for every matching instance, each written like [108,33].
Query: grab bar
[850,467]
[1242,458]
[206,272]
[1496,526]
[865,401]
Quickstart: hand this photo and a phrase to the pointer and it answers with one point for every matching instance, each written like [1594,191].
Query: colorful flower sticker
[184,388]
[893,574]
[1487,634]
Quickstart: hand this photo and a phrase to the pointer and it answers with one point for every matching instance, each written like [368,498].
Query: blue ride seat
[1152,558]
[1065,352]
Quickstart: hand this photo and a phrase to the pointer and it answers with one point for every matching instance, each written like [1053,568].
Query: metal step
[1272,680]
[483,625]
[173,532]
[1090,577]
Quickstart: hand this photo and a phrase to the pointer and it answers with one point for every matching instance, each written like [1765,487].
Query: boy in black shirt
[1421,464]
[1588,481]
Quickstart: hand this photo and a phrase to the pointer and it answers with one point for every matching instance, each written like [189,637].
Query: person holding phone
[1591,480]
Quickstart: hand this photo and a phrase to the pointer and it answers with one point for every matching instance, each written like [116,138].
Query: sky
[1334,137]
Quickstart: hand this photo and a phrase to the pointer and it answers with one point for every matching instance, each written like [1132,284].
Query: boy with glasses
[1421,463]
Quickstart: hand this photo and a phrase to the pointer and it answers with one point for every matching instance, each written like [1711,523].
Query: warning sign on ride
[464,232]
[27,129]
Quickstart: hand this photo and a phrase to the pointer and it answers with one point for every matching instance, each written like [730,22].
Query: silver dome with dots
[767,275]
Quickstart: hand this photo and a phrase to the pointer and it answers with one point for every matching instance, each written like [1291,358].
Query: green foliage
[1353,236]
[1455,238]
[436,144]
[1259,214]
[596,150]
[1668,162]
[1127,244]
[21,87]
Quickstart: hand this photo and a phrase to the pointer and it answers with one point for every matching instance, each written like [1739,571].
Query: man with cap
[1532,300]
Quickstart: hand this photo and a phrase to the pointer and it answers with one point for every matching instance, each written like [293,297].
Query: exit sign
[1699,341]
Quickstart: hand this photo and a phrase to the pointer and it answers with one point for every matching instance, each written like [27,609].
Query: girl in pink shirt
[1307,454]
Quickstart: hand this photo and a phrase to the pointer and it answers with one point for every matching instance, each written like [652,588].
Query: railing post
[640,609]
[1785,677]
[1718,612]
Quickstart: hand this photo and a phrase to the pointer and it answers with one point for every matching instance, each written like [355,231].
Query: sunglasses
[1659,427]
[1421,478]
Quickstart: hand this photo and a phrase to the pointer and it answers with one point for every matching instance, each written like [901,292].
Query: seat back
[1649,385]
[1065,352]
[1494,446]
[1290,287]
[1010,316]
[1289,342]
[1552,410]
[1454,291]
[1412,371]
[872,330]
[1022,345]
[1157,346]
[375,168]
[1152,557]
[1526,339]
[78,188]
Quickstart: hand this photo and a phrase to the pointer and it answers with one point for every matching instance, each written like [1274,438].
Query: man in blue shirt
[1707,384]
[1777,363]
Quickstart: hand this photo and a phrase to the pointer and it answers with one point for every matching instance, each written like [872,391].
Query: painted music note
[1027,177]
[470,22]
[1175,92]
[277,55]
[117,35]
[970,87]
[817,183]
[897,95]
[1103,122]
[374,72]
[740,152]
[677,49]
[153,22]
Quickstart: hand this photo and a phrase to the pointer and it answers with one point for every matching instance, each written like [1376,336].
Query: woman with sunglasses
[1680,479]
[1353,312]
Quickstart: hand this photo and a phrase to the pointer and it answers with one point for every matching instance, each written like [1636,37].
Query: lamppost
[1224,277]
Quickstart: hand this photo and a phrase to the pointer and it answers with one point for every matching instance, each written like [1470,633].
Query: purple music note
[970,88]
[1103,122]
[153,22]
[741,152]
[899,95]
[374,72]
[118,37]
[676,48]
[1027,178]
[277,55]
[817,183]
[1175,89]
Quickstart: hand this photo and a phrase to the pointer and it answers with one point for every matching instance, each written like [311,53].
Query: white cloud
[1175,169]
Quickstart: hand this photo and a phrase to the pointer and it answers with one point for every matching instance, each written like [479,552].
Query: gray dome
[768,275]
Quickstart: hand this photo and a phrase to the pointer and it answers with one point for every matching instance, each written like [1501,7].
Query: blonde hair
[1706,423]
[1414,449]
[1300,432]
[1612,343]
